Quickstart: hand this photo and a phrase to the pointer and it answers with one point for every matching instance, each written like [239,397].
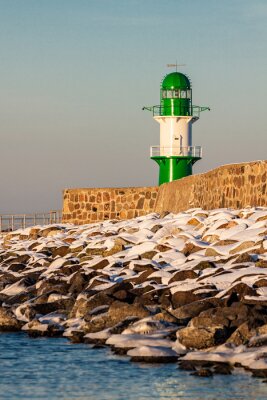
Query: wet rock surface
[160,288]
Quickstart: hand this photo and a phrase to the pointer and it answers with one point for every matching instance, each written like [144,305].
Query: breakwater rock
[188,287]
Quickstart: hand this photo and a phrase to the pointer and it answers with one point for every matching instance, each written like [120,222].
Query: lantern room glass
[176,94]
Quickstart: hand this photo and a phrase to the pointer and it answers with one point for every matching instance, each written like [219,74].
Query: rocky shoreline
[189,288]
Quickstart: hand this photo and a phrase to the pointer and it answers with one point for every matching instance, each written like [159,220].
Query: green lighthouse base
[172,168]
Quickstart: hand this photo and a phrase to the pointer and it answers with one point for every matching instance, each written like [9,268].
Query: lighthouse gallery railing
[191,151]
[170,111]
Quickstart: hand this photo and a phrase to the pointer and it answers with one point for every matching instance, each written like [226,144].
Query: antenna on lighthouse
[175,65]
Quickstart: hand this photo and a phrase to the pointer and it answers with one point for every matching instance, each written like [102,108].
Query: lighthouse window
[170,94]
[176,94]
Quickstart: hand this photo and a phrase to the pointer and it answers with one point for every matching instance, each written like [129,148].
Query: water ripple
[55,369]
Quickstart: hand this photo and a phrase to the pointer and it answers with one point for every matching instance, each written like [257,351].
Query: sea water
[53,368]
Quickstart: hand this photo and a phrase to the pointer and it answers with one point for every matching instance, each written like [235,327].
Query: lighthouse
[176,154]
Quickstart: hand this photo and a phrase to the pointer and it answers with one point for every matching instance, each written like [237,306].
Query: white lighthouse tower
[175,114]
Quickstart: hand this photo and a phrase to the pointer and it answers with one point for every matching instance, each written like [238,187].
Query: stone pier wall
[81,206]
[234,185]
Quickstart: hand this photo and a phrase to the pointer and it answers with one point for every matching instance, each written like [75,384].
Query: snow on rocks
[129,341]
[156,354]
[253,359]
[157,286]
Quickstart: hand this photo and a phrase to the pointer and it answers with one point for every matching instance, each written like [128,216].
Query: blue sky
[75,75]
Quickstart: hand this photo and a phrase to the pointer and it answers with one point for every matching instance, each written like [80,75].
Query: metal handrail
[11,222]
[194,111]
[190,151]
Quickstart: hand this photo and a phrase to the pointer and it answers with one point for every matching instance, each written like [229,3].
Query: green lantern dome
[176,95]
[175,80]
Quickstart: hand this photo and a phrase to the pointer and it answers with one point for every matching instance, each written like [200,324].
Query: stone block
[140,203]
[106,197]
